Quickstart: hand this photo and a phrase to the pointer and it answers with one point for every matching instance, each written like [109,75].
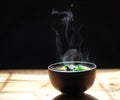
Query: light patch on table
[99,94]
[4,77]
[29,77]
[47,94]
[110,81]
[115,94]
[16,96]
[17,86]
[95,86]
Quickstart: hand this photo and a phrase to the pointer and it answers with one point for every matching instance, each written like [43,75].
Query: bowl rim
[84,62]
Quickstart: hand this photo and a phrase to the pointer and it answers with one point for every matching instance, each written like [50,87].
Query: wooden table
[35,85]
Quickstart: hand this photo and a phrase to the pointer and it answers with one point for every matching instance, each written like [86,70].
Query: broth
[71,67]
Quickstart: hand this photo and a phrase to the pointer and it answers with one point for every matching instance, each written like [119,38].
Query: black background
[27,40]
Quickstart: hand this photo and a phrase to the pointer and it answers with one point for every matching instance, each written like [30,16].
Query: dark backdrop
[27,40]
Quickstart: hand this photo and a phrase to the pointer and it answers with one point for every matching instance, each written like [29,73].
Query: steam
[68,17]
[69,41]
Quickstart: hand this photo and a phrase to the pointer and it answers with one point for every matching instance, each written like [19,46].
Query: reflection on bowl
[73,97]
[72,82]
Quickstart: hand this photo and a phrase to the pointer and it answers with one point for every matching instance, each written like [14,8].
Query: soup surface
[71,67]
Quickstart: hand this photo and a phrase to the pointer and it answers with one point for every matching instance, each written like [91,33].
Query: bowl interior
[90,65]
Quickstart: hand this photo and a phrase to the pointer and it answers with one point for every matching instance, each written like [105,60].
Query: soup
[71,67]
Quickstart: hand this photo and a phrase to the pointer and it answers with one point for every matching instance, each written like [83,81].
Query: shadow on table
[84,96]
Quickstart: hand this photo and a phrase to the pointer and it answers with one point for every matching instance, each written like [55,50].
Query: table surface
[35,85]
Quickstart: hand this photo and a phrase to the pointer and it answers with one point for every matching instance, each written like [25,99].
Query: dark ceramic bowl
[72,82]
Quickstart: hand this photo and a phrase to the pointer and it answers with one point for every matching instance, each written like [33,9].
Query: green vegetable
[75,67]
[79,68]
[67,67]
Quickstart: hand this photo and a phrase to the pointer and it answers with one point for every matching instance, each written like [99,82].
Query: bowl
[72,82]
